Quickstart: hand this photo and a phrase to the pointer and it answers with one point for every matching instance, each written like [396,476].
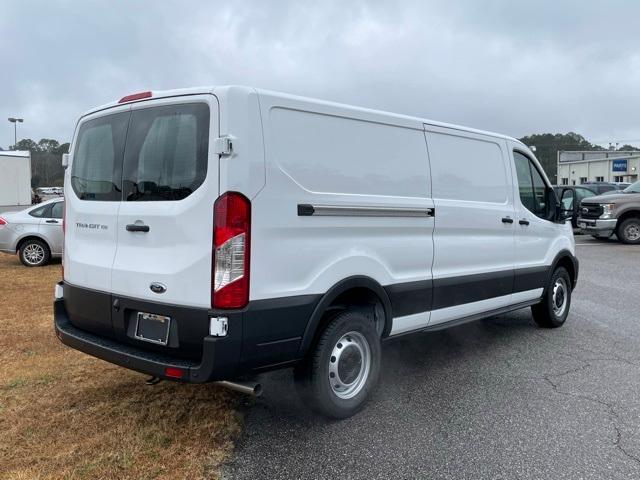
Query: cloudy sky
[515,67]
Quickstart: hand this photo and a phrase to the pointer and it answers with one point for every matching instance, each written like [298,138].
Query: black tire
[34,253]
[628,231]
[547,313]
[312,377]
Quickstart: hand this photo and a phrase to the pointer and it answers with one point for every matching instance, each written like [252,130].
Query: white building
[15,178]
[576,167]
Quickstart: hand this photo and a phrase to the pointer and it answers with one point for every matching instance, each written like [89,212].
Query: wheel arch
[633,213]
[32,237]
[568,260]
[354,291]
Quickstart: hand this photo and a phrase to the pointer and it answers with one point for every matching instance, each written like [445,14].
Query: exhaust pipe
[248,388]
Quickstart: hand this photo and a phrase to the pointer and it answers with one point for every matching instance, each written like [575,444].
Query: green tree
[628,148]
[547,146]
[46,161]
[48,145]
[26,144]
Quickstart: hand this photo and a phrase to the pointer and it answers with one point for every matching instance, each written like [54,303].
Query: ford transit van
[214,233]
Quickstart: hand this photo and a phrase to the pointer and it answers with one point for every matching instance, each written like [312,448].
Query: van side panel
[474,249]
[244,170]
[335,157]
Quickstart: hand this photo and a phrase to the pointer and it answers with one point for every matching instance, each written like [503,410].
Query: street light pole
[15,122]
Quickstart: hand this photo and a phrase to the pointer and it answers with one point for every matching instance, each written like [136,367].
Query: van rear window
[96,173]
[157,153]
[166,152]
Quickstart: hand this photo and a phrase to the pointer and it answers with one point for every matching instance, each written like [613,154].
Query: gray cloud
[513,67]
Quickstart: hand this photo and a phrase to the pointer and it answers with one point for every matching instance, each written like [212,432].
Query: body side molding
[307,210]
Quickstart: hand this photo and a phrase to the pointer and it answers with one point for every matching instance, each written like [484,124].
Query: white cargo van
[213,233]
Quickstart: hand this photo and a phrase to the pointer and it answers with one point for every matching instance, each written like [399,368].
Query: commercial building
[576,167]
[15,178]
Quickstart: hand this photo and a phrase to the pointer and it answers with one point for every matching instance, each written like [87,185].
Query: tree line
[46,161]
[547,146]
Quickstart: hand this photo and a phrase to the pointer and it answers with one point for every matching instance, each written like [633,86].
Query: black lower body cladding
[267,334]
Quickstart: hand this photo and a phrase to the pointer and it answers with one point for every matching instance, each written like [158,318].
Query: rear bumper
[264,335]
[219,358]
[598,227]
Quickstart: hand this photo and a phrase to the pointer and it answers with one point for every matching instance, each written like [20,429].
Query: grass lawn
[64,414]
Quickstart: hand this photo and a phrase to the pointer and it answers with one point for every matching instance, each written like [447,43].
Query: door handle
[507,220]
[137,227]
[524,222]
[52,221]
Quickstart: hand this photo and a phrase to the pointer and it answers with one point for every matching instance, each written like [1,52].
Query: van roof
[249,90]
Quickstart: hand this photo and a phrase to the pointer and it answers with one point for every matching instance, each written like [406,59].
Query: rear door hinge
[223,145]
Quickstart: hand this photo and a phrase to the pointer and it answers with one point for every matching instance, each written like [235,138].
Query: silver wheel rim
[560,297]
[349,365]
[632,232]
[33,254]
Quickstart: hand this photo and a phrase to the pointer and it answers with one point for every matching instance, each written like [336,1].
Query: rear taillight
[2,221]
[231,241]
[135,96]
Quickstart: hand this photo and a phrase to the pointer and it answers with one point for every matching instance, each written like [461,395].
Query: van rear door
[93,198]
[169,185]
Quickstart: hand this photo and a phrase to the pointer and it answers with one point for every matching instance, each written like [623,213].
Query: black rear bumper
[264,335]
[218,361]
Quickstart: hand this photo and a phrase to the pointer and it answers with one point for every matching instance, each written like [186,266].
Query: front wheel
[552,311]
[343,367]
[629,231]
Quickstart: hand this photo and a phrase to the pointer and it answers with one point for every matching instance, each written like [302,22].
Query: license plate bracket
[152,328]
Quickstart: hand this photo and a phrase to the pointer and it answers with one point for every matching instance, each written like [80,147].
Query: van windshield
[157,153]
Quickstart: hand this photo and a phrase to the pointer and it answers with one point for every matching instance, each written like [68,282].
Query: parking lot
[498,398]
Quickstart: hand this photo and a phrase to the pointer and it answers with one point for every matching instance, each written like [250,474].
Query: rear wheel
[343,367]
[554,308]
[34,253]
[629,231]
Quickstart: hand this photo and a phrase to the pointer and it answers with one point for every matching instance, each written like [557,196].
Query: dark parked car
[571,199]
[602,187]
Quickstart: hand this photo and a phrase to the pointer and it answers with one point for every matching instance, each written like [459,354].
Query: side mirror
[65,160]
[566,206]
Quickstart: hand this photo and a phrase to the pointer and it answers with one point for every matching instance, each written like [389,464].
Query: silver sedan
[34,233]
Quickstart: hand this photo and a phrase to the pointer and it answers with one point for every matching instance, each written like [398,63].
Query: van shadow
[426,364]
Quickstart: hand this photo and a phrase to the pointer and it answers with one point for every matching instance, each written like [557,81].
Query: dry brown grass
[64,414]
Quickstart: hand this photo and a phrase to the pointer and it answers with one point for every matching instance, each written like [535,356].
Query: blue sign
[619,166]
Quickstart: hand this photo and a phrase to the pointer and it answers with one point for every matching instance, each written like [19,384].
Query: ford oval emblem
[157,287]
[585,210]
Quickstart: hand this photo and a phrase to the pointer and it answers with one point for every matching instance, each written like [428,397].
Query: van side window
[533,190]
[96,173]
[467,169]
[166,152]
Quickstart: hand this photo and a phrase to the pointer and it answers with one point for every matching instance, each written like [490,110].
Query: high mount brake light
[135,96]
[231,242]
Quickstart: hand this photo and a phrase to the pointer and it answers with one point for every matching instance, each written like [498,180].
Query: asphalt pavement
[498,398]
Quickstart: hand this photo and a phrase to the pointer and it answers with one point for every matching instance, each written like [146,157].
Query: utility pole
[15,122]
